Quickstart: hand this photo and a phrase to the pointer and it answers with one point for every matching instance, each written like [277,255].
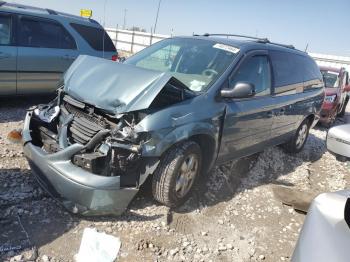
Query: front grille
[84,126]
[82,130]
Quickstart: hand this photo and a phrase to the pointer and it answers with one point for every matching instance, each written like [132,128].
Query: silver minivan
[37,45]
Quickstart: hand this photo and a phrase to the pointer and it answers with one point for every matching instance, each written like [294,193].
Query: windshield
[197,63]
[330,78]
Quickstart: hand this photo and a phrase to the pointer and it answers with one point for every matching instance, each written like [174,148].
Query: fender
[162,141]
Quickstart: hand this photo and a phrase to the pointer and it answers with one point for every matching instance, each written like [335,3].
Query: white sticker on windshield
[196,85]
[227,48]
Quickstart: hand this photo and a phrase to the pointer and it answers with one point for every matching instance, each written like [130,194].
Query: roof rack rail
[51,12]
[2,3]
[283,45]
[262,40]
[258,39]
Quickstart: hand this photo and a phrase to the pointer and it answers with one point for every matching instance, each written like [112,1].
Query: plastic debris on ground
[97,246]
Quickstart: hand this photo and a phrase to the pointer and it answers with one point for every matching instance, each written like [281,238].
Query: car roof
[248,44]
[46,13]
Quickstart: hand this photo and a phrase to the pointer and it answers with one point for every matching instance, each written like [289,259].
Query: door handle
[4,55]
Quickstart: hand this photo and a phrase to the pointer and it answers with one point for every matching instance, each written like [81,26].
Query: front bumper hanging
[79,190]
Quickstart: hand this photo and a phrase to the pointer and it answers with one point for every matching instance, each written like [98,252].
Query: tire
[295,145]
[171,174]
[342,112]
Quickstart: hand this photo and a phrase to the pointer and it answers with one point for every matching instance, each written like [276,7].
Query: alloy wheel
[187,175]
[302,134]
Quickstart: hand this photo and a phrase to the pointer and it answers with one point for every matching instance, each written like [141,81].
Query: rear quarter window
[286,68]
[290,69]
[97,38]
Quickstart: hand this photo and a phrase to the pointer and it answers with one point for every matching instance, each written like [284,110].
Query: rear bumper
[77,189]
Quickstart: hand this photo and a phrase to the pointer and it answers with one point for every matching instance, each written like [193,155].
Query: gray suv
[171,111]
[38,45]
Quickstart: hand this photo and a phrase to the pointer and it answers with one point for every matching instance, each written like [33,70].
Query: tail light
[115,57]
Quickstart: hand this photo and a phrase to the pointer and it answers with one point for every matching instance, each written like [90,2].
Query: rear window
[95,37]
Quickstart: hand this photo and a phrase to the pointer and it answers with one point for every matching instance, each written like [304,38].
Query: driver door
[248,121]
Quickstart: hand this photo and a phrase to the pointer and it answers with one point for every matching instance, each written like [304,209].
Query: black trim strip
[8,71]
[31,72]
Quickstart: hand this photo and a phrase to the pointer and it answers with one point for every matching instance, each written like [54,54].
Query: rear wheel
[296,144]
[176,174]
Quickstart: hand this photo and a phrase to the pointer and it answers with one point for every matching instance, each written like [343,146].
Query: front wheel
[296,144]
[176,174]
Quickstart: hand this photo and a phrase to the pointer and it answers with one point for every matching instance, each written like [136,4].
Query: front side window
[196,63]
[5,30]
[255,70]
[46,34]
[330,78]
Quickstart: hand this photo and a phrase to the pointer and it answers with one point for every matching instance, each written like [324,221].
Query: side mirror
[347,88]
[240,90]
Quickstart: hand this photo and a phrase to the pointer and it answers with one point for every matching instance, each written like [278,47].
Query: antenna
[124,23]
[307,45]
[155,24]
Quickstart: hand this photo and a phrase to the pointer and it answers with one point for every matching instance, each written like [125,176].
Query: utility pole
[155,24]
[124,24]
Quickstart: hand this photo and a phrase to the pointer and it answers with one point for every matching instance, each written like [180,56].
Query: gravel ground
[232,216]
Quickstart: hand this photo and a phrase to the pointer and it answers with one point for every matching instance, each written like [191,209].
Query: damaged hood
[112,86]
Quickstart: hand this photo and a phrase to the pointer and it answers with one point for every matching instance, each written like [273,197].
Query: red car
[337,85]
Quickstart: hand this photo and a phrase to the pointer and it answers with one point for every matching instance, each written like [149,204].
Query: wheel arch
[204,134]
[311,118]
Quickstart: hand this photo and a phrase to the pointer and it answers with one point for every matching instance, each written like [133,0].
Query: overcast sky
[322,24]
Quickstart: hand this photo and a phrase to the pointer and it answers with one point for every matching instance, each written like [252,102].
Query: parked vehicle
[173,110]
[325,235]
[338,140]
[38,45]
[337,85]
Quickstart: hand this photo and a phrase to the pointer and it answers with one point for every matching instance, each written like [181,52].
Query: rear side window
[43,33]
[286,68]
[310,69]
[96,37]
[5,30]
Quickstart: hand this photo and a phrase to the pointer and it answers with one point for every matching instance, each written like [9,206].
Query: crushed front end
[88,158]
